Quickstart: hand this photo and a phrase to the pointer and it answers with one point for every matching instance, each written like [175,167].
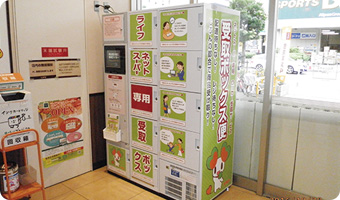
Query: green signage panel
[219,101]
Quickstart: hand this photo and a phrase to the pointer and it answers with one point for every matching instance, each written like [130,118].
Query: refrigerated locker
[186,105]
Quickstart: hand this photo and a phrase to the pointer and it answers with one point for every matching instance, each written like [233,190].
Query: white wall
[5,60]
[61,25]
[94,42]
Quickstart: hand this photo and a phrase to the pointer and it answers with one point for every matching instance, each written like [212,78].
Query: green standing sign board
[219,102]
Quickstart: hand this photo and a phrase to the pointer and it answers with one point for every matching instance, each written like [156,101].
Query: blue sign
[296,36]
[175,173]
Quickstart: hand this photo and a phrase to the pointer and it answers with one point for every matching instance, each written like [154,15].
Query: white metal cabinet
[186,25]
[172,77]
[180,109]
[178,146]
[178,182]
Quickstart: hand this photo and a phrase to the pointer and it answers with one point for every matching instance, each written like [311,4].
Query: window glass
[308,46]
[149,4]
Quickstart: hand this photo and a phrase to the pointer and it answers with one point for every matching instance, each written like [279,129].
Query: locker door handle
[199,63]
[198,104]
[197,144]
[200,19]
[155,128]
[128,157]
[155,21]
[155,59]
[156,166]
[155,94]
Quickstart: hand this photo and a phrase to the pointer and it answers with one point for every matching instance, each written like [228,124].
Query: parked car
[258,62]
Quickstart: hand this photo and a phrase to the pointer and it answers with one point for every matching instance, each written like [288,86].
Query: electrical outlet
[106,4]
[96,6]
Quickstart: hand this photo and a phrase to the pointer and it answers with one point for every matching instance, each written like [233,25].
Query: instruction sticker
[173,69]
[174,28]
[173,107]
[172,143]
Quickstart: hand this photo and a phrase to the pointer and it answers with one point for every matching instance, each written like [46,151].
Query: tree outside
[252,21]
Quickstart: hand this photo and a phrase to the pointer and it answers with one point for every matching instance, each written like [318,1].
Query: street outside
[317,83]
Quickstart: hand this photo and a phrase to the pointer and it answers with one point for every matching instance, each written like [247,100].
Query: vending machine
[181,86]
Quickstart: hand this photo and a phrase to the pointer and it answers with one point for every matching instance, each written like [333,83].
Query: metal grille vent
[173,188]
[191,191]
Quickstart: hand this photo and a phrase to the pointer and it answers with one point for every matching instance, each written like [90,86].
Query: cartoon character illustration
[216,164]
[180,72]
[116,157]
[171,147]
[165,105]
[167,34]
[180,149]
[16,120]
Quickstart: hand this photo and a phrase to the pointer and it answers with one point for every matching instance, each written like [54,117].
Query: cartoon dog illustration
[216,164]
[116,156]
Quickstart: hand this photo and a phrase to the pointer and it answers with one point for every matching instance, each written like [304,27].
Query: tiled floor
[100,185]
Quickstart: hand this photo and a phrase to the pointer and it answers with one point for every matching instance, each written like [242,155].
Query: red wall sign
[54,51]
[141,98]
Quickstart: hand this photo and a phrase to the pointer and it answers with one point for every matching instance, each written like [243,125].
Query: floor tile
[236,193]
[52,192]
[109,187]
[87,178]
[70,196]
[147,196]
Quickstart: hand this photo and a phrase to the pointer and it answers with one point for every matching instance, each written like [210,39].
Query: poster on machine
[172,143]
[172,69]
[174,28]
[61,130]
[141,30]
[142,166]
[141,66]
[142,133]
[117,159]
[173,107]
[219,101]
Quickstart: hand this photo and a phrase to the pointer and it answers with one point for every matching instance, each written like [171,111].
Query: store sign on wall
[54,52]
[296,9]
[304,36]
